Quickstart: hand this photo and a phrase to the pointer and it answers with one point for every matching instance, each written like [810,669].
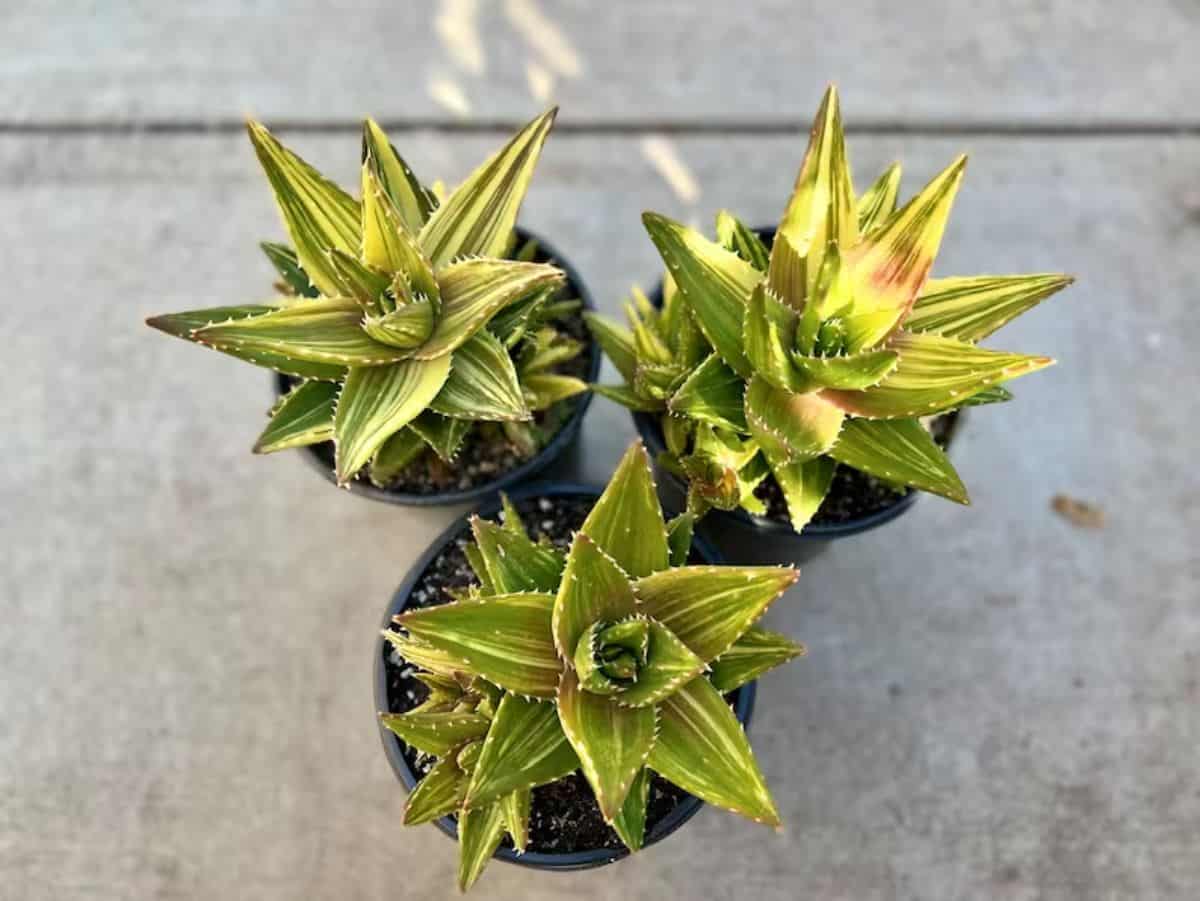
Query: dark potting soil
[564,816]
[853,494]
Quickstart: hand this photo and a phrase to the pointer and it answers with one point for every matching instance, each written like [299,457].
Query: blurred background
[998,702]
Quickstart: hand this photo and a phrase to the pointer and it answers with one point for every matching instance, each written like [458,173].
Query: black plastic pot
[394,748]
[320,456]
[745,537]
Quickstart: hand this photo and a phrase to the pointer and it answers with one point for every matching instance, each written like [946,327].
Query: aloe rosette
[610,658]
[827,347]
[400,318]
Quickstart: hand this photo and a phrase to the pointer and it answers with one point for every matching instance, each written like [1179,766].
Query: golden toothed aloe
[827,347]
[401,317]
[611,658]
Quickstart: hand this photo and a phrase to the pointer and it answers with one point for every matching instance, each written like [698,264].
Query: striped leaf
[544,389]
[756,652]
[970,309]
[712,393]
[701,748]
[735,236]
[360,281]
[439,793]
[627,521]
[474,290]
[789,425]
[612,741]
[934,373]
[900,451]
[506,639]
[395,177]
[378,401]
[525,747]
[478,217]
[788,272]
[679,536]
[890,265]
[804,484]
[283,258]
[482,384]
[853,371]
[304,417]
[517,806]
[878,202]
[387,245]
[669,664]
[318,331]
[997,394]
[709,607]
[406,327]
[767,340]
[443,435]
[630,823]
[821,208]
[628,398]
[394,456]
[317,213]
[185,325]
[480,832]
[593,589]
[513,562]
[424,655]
[436,733]
[715,283]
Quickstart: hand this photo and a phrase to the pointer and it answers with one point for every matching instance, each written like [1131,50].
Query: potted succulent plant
[425,351]
[558,702]
[799,380]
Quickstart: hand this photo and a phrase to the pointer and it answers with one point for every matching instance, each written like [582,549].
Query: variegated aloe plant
[401,320]
[611,658]
[827,347]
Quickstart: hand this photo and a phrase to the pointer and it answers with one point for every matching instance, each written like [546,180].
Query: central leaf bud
[609,656]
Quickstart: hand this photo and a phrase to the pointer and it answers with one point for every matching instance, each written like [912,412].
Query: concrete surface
[996,704]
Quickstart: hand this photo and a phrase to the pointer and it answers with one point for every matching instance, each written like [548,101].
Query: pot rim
[527,469]
[392,745]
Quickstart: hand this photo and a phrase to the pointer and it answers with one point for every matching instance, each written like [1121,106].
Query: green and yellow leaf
[612,741]
[317,213]
[804,484]
[513,562]
[525,747]
[756,652]
[304,417]
[593,589]
[483,383]
[878,202]
[479,216]
[396,178]
[436,733]
[709,607]
[627,522]
[713,393]
[934,373]
[701,748]
[440,793]
[480,832]
[970,309]
[378,401]
[900,451]
[630,823]
[506,639]
[789,425]
[715,282]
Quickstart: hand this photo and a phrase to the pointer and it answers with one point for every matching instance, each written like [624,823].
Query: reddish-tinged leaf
[593,589]
[525,747]
[627,521]
[756,652]
[436,733]
[612,741]
[789,425]
[934,373]
[709,607]
[900,451]
[506,639]
[701,748]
